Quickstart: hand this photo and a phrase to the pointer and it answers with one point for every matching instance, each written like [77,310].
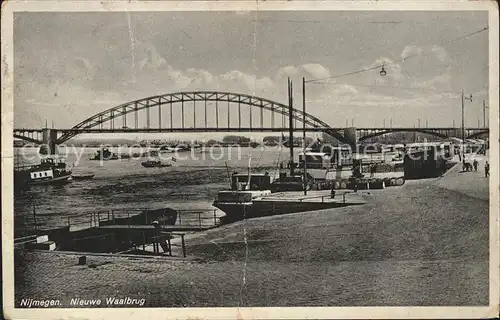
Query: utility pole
[484,113]
[290,124]
[463,122]
[304,132]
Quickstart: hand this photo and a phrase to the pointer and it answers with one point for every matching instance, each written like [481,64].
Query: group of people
[467,166]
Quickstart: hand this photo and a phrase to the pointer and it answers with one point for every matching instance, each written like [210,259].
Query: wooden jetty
[124,231]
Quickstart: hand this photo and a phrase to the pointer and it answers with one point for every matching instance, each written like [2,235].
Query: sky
[69,66]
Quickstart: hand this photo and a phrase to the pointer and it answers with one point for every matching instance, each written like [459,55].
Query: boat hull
[23,183]
[147,165]
[56,180]
[262,208]
[83,177]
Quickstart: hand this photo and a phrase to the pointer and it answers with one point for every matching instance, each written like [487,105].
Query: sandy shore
[423,244]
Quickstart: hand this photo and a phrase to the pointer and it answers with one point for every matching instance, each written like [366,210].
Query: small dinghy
[83,176]
[155,164]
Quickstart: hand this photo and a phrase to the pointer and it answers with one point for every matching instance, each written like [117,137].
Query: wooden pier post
[143,241]
[180,222]
[169,246]
[215,217]
[183,246]
[113,241]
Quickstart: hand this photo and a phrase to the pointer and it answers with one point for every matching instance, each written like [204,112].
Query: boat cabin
[40,175]
[315,160]
[53,162]
[258,181]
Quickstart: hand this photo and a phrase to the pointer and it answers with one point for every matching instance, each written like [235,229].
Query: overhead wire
[395,61]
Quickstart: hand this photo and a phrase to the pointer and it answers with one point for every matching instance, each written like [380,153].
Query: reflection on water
[191,183]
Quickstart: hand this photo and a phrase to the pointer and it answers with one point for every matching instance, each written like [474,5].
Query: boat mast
[228,175]
[290,124]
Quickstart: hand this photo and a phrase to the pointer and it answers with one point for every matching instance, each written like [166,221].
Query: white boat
[49,171]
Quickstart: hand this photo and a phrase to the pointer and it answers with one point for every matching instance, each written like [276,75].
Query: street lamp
[382,71]
[463,122]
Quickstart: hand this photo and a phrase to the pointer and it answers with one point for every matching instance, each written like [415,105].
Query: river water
[191,183]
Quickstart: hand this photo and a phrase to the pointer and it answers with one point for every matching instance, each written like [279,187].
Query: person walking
[486,169]
[475,164]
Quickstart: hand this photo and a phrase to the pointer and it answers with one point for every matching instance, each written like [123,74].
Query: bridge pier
[351,138]
[49,138]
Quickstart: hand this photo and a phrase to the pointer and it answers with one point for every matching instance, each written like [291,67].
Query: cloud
[439,82]
[316,71]
[310,71]
[200,76]
[440,53]
[410,50]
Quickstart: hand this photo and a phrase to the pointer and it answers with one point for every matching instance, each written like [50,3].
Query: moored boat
[49,171]
[155,164]
[104,154]
[83,176]
[257,200]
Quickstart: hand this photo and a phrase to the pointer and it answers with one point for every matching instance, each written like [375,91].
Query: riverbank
[422,244]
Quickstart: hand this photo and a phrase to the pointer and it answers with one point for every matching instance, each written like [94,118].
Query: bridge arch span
[233,100]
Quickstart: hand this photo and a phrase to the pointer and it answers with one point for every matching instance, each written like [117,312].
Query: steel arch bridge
[217,112]
[264,117]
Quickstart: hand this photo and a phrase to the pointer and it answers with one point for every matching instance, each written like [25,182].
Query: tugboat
[49,171]
[104,154]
